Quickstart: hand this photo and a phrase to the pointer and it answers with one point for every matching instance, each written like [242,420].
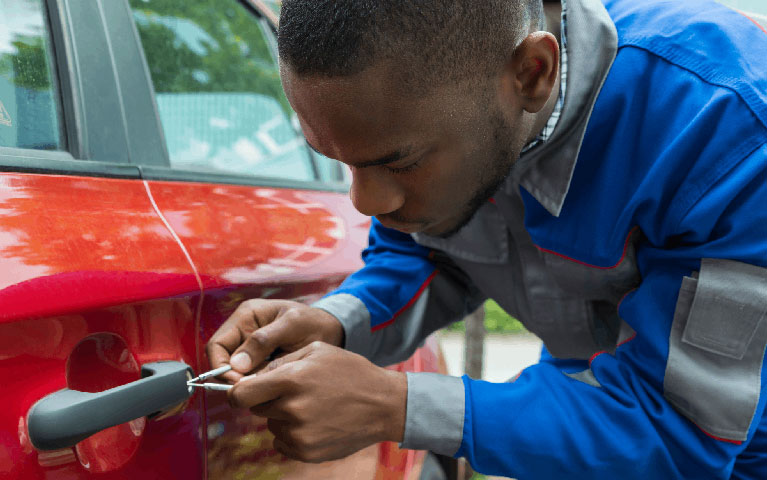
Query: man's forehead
[352,119]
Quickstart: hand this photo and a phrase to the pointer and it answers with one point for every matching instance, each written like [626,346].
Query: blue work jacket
[633,242]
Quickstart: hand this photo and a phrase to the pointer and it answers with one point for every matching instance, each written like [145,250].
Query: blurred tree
[27,67]
[207,46]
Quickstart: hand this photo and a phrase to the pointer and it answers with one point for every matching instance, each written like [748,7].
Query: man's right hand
[259,327]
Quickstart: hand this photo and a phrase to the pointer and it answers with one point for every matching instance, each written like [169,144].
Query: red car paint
[83,260]
[99,276]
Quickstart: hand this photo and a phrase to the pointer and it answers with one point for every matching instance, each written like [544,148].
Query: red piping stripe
[409,304]
[736,442]
[624,298]
[623,256]
[605,351]
[627,340]
[755,22]
[596,355]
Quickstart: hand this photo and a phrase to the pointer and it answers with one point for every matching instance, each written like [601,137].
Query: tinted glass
[29,113]
[218,89]
[274,5]
[752,6]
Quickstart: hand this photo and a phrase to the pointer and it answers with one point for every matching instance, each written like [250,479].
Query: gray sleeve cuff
[355,319]
[435,413]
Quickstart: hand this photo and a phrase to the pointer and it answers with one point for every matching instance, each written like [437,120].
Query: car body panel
[92,285]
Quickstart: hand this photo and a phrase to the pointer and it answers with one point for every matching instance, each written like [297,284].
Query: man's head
[429,102]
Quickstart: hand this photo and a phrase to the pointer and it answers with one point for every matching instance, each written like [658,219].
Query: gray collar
[592,43]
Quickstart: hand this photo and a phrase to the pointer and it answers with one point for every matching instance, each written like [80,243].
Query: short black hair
[436,41]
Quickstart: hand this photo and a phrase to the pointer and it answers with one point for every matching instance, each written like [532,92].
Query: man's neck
[552,11]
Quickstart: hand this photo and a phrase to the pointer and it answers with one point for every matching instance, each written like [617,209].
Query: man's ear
[533,71]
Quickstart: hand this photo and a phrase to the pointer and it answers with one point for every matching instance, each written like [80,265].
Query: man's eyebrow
[386,159]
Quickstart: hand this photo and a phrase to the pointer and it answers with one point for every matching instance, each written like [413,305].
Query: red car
[152,177]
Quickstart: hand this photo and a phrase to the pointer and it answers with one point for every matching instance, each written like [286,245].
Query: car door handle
[66,417]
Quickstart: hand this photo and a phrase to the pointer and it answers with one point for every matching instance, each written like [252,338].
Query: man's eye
[404,169]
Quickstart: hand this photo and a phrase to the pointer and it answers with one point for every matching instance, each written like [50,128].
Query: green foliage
[207,46]
[28,66]
[496,321]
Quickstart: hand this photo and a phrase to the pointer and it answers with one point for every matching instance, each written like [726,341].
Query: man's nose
[372,193]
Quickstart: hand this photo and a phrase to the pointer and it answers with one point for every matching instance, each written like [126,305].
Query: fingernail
[241,362]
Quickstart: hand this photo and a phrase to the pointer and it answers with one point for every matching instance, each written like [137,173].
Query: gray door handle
[67,417]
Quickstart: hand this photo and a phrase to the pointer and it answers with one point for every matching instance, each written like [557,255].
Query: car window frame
[82,62]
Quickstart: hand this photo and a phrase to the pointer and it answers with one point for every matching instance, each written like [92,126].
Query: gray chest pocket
[717,346]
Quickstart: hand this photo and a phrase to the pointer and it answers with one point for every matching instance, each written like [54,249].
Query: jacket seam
[701,70]
[716,175]
[626,244]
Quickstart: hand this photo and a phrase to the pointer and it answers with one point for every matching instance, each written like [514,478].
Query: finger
[278,333]
[260,388]
[219,349]
[285,440]
[287,358]
[284,449]
[273,409]
[233,332]
[288,382]
[231,377]
[230,335]
[280,429]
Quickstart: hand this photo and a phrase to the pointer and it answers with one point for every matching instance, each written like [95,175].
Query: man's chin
[443,229]
[404,227]
[447,228]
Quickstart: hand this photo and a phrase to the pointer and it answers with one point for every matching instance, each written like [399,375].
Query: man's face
[421,164]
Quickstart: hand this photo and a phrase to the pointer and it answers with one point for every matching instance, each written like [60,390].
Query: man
[615,205]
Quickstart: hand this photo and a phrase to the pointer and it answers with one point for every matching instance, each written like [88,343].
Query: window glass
[329,170]
[218,89]
[29,114]
[752,6]
[274,5]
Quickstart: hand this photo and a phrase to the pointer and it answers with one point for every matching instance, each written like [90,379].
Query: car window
[218,90]
[329,170]
[752,6]
[274,5]
[29,101]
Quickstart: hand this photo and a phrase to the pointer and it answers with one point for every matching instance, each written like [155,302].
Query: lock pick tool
[199,381]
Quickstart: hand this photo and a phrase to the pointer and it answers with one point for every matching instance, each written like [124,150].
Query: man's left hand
[325,403]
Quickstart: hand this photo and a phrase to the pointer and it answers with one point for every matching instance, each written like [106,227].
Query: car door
[95,289]
[260,214]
